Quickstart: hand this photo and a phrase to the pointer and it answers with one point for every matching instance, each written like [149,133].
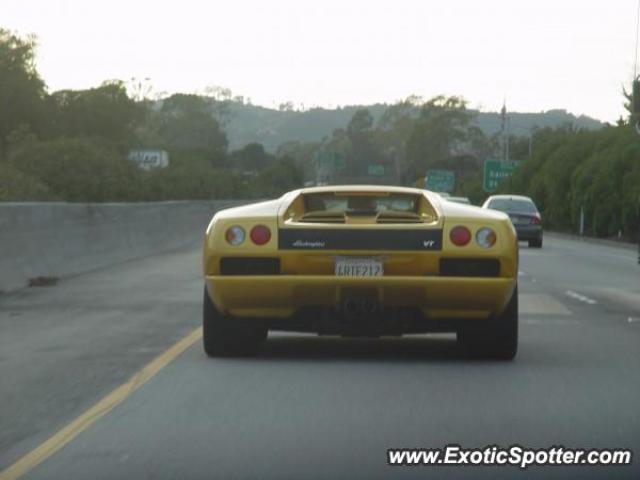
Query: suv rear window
[513,205]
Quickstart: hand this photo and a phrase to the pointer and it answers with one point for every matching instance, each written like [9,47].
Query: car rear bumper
[436,297]
[529,232]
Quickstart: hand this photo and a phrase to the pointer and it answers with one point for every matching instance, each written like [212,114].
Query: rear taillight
[460,236]
[260,234]
[536,220]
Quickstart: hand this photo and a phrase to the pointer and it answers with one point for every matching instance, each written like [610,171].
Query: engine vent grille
[323,217]
[398,217]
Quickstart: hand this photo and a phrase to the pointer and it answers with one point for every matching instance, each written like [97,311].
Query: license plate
[518,220]
[358,267]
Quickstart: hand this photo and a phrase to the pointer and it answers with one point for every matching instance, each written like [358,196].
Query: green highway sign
[376,170]
[495,171]
[440,180]
[332,160]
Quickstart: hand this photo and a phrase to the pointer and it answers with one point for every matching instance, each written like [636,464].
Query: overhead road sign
[440,180]
[495,171]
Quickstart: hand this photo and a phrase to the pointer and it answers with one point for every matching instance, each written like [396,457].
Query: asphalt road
[310,407]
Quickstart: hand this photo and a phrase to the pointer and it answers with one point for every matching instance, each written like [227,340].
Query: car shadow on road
[420,348]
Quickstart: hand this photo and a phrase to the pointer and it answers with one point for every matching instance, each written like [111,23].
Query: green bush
[80,170]
[273,181]
[16,186]
[594,171]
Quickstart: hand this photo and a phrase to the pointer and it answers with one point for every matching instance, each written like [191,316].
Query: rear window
[512,205]
[360,204]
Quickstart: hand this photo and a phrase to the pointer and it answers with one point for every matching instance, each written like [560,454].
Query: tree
[79,170]
[360,124]
[286,106]
[220,100]
[363,151]
[440,133]
[573,171]
[18,186]
[22,91]
[394,130]
[334,158]
[189,177]
[104,112]
[251,158]
[303,153]
[280,177]
[400,116]
[186,124]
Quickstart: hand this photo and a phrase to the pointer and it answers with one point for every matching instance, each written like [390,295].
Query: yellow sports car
[360,260]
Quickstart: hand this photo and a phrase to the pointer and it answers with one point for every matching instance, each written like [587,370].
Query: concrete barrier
[60,239]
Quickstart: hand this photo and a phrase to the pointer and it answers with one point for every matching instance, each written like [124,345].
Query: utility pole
[508,133]
[504,132]
[396,162]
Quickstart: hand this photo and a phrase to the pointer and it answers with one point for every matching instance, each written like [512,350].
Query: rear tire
[497,340]
[535,243]
[224,336]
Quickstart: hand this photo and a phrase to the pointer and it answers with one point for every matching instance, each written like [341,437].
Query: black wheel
[535,243]
[224,336]
[499,338]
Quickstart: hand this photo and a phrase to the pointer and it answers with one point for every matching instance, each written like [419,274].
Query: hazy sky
[539,54]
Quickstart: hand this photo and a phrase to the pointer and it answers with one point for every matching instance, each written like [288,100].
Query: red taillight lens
[260,234]
[460,236]
[536,220]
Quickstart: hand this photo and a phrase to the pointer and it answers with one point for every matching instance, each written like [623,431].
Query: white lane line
[580,297]
[521,273]
[532,303]
[632,320]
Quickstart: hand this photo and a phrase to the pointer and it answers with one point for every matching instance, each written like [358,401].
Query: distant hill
[272,128]
[250,123]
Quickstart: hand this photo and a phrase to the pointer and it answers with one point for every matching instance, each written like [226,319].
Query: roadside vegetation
[594,172]
[72,145]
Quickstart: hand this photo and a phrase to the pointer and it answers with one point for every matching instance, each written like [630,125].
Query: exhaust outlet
[359,308]
[360,313]
[351,306]
[369,306]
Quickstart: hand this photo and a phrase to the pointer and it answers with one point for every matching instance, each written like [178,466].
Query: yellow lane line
[97,411]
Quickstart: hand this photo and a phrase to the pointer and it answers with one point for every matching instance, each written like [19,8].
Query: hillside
[250,123]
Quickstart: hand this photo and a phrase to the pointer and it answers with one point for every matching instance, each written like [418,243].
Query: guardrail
[41,242]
